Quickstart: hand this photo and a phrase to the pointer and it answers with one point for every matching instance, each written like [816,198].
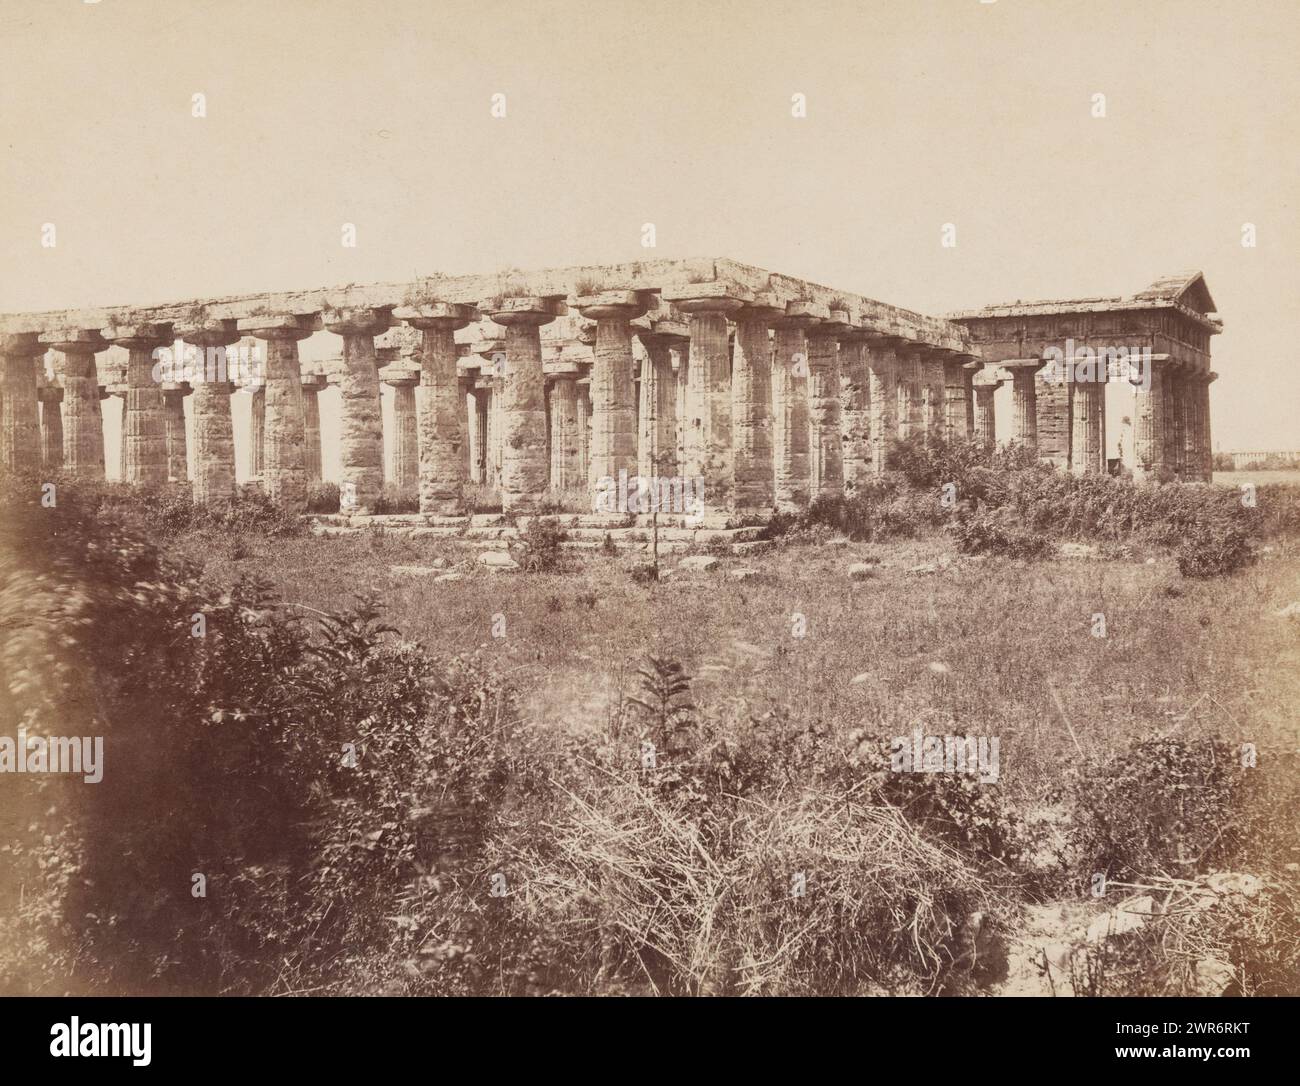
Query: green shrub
[322,497]
[542,551]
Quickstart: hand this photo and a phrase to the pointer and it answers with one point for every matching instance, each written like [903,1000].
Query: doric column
[583,388]
[882,371]
[214,438]
[257,433]
[657,454]
[522,416]
[855,406]
[312,384]
[361,439]
[1025,403]
[51,399]
[118,392]
[443,460]
[932,393]
[751,406]
[20,427]
[1149,438]
[613,392]
[83,423]
[986,383]
[956,416]
[791,427]
[1088,422]
[284,471]
[174,393]
[709,430]
[1191,397]
[143,429]
[406,443]
[682,385]
[563,406]
[825,442]
[911,395]
[1206,448]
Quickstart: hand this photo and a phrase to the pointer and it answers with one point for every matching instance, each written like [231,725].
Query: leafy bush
[322,497]
[1214,545]
[542,552]
[998,531]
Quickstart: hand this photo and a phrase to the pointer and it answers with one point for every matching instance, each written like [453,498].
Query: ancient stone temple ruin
[761,391]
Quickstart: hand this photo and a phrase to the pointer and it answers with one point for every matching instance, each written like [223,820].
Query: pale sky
[678,113]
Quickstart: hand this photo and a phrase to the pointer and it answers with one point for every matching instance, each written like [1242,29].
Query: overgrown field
[579,780]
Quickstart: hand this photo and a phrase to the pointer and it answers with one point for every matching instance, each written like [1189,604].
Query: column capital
[624,304]
[529,310]
[282,326]
[765,309]
[182,387]
[718,296]
[363,321]
[50,393]
[313,382]
[19,344]
[836,323]
[74,340]
[435,314]
[208,331]
[800,314]
[402,380]
[988,379]
[141,336]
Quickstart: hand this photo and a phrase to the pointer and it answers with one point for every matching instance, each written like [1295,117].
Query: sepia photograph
[641,501]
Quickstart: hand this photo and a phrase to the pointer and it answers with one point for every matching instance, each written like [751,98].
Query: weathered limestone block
[790,431]
[613,395]
[312,385]
[143,429]
[882,369]
[444,461]
[83,422]
[284,470]
[174,394]
[563,406]
[825,444]
[51,399]
[1191,463]
[361,442]
[214,438]
[751,389]
[524,460]
[709,432]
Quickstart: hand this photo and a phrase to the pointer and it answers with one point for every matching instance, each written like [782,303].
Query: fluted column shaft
[1149,443]
[855,409]
[311,448]
[658,442]
[174,432]
[214,437]
[986,416]
[1088,427]
[406,444]
[563,403]
[751,406]
[790,416]
[20,427]
[882,371]
[1025,405]
[284,469]
[51,398]
[613,396]
[826,447]
[956,417]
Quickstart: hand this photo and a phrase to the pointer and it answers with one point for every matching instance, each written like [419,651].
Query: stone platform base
[586,532]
